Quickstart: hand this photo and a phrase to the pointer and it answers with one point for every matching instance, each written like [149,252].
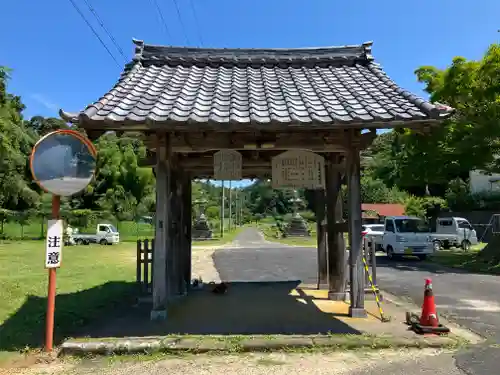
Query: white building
[481,182]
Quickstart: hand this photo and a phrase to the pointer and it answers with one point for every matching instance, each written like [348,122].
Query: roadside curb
[457,330]
[233,344]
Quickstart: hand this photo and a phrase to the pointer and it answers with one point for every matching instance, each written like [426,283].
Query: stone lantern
[201,230]
[297,226]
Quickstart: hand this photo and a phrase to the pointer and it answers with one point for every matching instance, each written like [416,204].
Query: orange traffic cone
[428,322]
[429,315]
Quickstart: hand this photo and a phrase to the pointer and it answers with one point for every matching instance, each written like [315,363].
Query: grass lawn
[94,280]
[295,241]
[130,231]
[270,235]
[469,261]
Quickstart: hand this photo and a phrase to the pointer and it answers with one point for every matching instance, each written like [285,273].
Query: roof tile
[334,85]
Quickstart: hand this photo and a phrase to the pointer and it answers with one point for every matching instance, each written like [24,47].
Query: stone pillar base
[336,296]
[158,315]
[357,312]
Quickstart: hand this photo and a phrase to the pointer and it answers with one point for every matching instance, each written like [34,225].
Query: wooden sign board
[298,169]
[227,165]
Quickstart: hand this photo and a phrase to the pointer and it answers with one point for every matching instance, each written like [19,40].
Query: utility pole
[242,201]
[236,205]
[230,208]
[222,211]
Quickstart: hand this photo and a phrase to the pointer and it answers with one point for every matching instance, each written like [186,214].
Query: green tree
[16,141]
[42,125]
[468,140]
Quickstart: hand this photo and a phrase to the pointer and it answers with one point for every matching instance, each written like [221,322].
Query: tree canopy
[469,140]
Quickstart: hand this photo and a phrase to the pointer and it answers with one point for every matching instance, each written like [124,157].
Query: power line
[198,29]
[94,12]
[155,4]
[180,21]
[95,32]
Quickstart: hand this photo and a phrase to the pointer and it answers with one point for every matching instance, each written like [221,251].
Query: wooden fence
[144,274]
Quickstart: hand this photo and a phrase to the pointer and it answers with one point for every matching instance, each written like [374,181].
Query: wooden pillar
[356,271]
[173,259]
[179,234]
[336,244]
[321,238]
[186,221]
[161,248]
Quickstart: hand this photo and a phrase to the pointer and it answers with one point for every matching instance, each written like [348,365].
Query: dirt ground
[203,264]
[250,364]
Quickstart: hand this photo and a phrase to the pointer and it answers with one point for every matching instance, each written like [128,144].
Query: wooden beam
[173,259]
[332,141]
[249,175]
[180,234]
[202,163]
[168,209]
[93,135]
[335,227]
[206,163]
[356,270]
[321,237]
[213,127]
[187,225]
[181,286]
[160,285]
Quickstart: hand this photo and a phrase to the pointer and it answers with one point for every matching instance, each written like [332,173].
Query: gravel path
[417,362]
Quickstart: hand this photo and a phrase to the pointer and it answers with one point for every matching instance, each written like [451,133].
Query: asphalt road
[471,300]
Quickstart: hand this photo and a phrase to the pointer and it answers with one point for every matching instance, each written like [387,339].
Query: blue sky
[59,63]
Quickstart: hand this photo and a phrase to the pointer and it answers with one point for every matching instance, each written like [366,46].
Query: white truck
[453,232]
[407,236]
[106,234]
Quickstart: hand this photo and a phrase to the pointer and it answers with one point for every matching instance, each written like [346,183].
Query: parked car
[106,234]
[407,235]
[453,232]
[374,233]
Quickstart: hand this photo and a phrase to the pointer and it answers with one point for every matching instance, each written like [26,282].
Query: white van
[407,235]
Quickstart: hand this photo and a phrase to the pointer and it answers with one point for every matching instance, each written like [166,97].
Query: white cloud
[47,103]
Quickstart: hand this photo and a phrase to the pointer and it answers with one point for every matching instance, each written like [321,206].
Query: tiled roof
[333,86]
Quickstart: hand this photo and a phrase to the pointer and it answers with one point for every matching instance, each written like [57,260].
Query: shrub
[81,218]
[424,207]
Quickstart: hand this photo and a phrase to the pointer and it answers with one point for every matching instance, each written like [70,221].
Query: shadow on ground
[26,327]
[412,264]
[246,309]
